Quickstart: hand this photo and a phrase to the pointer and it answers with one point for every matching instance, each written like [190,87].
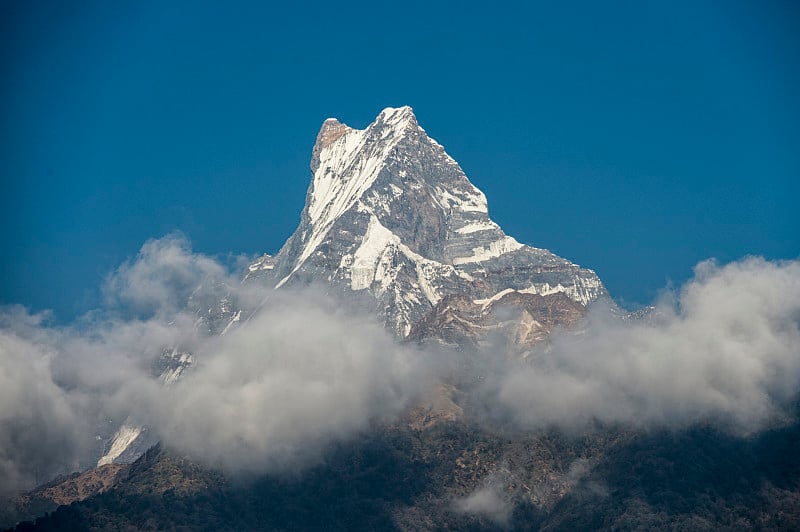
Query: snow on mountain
[389,214]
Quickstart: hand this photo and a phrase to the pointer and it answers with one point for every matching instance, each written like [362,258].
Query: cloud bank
[302,373]
[270,395]
[298,376]
[724,350]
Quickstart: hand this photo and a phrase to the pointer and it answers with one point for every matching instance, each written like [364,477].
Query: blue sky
[635,138]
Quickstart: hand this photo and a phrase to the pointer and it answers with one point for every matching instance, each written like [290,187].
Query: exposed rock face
[260,268]
[63,490]
[519,320]
[82,486]
[391,218]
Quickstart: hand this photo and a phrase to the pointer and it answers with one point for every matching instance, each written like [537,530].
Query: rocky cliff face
[511,319]
[391,218]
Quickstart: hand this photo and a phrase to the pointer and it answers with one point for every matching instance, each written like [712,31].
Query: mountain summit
[391,215]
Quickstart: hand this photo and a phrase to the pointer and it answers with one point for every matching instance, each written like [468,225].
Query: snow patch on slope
[123,438]
[489,300]
[584,291]
[366,257]
[347,168]
[265,262]
[462,200]
[474,227]
[505,245]
[372,262]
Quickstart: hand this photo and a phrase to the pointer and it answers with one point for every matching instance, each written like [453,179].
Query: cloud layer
[274,393]
[268,396]
[725,349]
[302,373]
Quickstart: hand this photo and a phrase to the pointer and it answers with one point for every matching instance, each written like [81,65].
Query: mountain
[391,218]
[393,225]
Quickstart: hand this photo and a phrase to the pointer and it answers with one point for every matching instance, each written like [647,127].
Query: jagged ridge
[390,214]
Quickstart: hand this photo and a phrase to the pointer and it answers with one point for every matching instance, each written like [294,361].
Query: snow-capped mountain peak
[345,163]
[397,118]
[390,214]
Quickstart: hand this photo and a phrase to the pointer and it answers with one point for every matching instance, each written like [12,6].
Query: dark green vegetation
[694,480]
[399,478]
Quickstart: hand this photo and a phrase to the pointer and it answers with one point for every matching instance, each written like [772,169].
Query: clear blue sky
[635,138]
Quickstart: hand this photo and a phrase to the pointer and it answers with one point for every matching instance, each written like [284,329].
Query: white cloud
[303,373]
[726,351]
[487,501]
[269,395]
[274,393]
[162,277]
[39,422]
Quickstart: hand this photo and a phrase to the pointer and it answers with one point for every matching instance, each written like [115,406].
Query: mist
[273,394]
